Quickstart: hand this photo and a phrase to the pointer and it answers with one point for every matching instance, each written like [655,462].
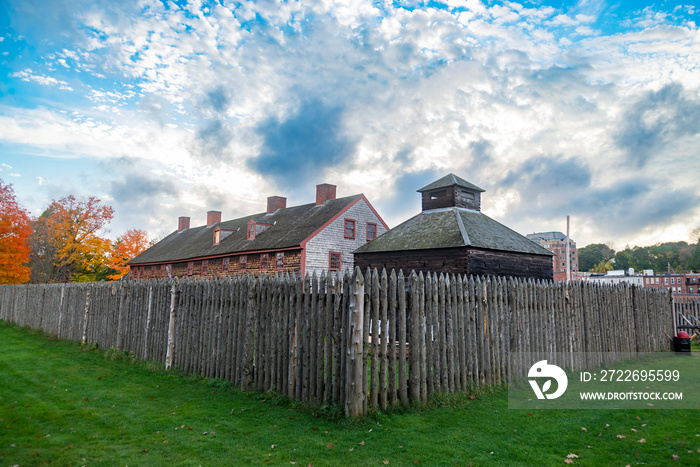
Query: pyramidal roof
[452,228]
[450,180]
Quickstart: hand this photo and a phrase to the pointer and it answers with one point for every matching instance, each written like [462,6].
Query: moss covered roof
[451,228]
[289,228]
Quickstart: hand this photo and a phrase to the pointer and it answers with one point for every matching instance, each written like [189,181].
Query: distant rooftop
[546,236]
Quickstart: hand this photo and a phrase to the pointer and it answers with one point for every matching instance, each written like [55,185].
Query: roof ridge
[462,229]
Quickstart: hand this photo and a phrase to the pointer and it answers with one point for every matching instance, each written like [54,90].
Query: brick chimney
[183,223]
[324,192]
[275,202]
[213,217]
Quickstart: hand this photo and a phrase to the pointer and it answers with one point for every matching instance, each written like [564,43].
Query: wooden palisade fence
[313,338]
[687,314]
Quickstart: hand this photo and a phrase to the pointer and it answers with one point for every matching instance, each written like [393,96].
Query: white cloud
[27,75]
[479,90]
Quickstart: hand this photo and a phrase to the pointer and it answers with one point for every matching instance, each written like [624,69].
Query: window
[190,268]
[217,237]
[673,280]
[242,266]
[371,231]
[224,265]
[438,194]
[264,261]
[690,290]
[205,267]
[279,264]
[334,261]
[251,230]
[665,280]
[163,270]
[350,228]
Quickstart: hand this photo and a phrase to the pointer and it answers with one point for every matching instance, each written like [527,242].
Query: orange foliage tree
[66,244]
[128,246]
[15,229]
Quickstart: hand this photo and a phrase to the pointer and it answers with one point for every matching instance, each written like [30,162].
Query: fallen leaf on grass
[572,456]
[330,445]
[273,446]
[633,430]
[584,429]
[621,436]
[675,458]
[361,443]
[568,461]
[386,462]
[642,441]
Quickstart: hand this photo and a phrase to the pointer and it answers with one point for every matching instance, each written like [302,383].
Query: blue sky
[167,109]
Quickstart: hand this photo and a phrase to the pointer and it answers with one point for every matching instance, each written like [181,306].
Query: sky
[172,108]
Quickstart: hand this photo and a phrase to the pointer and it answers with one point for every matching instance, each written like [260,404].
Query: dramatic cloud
[299,148]
[657,119]
[588,110]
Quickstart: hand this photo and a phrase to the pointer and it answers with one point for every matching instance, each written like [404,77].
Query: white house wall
[332,238]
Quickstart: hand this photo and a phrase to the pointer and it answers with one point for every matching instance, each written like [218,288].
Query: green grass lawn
[61,404]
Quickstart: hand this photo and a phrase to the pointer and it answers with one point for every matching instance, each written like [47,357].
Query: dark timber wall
[466,260]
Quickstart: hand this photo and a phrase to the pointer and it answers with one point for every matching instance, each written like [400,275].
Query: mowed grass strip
[62,404]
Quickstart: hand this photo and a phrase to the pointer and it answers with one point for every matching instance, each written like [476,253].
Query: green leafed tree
[591,256]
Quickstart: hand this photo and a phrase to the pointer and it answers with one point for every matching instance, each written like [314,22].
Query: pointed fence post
[355,391]
[85,318]
[171,325]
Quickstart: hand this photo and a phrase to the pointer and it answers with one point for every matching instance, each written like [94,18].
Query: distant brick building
[305,239]
[452,235]
[556,243]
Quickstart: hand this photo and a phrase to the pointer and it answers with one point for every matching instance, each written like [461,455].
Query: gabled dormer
[255,228]
[451,191]
[220,234]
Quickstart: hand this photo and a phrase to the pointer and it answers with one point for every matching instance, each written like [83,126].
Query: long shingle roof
[289,228]
[451,228]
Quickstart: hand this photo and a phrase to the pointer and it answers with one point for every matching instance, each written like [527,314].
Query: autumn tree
[127,246]
[15,228]
[66,244]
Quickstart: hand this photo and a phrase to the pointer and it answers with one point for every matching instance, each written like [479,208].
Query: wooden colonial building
[452,235]
[304,239]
